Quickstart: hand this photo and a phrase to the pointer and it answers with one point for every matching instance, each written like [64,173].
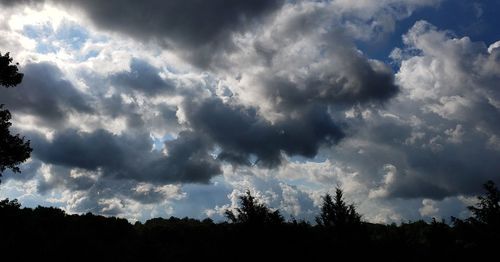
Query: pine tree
[336,213]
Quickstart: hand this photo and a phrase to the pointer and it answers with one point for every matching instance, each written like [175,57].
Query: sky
[140,109]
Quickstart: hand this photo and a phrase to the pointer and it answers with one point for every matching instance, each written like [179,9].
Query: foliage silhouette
[9,73]
[14,150]
[480,234]
[253,213]
[336,213]
[487,210]
[52,233]
[9,205]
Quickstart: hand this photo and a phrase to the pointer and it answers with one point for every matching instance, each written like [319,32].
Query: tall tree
[335,212]
[14,150]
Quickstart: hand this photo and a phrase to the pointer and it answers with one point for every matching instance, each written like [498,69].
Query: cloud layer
[177,107]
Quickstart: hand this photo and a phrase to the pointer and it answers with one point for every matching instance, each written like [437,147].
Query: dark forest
[252,232]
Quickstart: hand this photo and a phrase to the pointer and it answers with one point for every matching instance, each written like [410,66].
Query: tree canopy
[251,212]
[9,73]
[14,149]
[487,210]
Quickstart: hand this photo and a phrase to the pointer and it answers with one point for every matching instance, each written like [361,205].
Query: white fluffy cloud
[439,132]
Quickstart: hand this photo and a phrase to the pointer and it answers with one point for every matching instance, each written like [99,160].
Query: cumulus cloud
[305,56]
[428,208]
[462,89]
[292,201]
[437,132]
[368,20]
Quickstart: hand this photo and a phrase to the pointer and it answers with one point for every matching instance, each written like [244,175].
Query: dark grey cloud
[88,150]
[188,159]
[60,177]
[450,171]
[46,93]
[203,29]
[242,133]
[28,169]
[168,114]
[358,82]
[427,164]
[142,77]
[130,156]
[192,22]
[114,107]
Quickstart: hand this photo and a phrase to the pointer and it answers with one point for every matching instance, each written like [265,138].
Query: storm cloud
[202,30]
[241,132]
[142,77]
[360,82]
[130,156]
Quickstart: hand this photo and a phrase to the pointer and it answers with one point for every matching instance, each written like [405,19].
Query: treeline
[252,232]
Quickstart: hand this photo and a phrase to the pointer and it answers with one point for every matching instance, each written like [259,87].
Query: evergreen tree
[336,212]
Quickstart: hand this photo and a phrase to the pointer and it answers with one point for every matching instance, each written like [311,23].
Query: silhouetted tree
[479,235]
[9,73]
[13,149]
[487,211]
[9,205]
[251,212]
[336,213]
[438,235]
